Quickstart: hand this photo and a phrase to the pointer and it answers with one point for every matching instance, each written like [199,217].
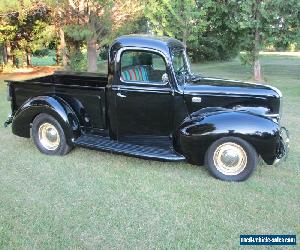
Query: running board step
[106,144]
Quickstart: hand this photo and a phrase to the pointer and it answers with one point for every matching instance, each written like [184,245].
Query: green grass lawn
[91,199]
[43,61]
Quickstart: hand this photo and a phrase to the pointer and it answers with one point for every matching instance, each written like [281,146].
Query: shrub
[78,61]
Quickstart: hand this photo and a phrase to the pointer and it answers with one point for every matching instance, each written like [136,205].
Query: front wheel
[231,159]
[48,135]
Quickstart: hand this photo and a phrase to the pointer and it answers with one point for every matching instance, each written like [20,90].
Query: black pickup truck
[151,105]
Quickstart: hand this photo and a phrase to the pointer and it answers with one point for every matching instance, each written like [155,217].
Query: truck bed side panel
[87,101]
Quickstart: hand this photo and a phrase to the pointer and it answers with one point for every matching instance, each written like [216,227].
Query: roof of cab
[161,43]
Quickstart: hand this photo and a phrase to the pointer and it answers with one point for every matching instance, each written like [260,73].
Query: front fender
[196,134]
[54,106]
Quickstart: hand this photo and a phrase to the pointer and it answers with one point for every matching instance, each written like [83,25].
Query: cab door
[144,102]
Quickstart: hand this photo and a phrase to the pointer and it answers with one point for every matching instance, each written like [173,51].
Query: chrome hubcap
[49,136]
[230,158]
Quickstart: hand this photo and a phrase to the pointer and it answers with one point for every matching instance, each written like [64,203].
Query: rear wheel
[231,159]
[48,135]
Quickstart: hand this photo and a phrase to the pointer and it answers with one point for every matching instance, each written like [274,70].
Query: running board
[108,145]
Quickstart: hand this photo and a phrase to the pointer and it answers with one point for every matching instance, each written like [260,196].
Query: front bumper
[8,121]
[283,145]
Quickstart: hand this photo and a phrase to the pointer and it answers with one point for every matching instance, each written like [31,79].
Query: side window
[178,61]
[142,67]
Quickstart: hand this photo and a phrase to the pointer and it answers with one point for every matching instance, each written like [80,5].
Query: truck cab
[151,105]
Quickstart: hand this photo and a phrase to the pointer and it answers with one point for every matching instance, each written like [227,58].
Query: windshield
[181,65]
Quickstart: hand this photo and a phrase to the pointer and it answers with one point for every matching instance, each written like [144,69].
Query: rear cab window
[142,67]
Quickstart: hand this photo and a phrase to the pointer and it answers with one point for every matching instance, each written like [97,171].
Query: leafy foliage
[207,27]
[96,23]
[78,61]
[211,29]
[26,30]
[267,23]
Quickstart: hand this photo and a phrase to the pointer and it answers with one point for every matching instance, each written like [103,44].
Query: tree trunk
[24,59]
[15,61]
[92,55]
[28,59]
[57,54]
[77,46]
[183,19]
[4,54]
[257,70]
[256,64]
[63,48]
[8,53]
[184,37]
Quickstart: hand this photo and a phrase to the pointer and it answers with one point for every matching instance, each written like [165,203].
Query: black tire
[247,166]
[62,148]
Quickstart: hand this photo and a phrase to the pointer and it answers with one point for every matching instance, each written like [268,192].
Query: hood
[230,87]
[217,92]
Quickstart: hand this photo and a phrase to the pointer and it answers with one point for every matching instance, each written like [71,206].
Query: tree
[208,27]
[177,18]
[24,29]
[96,21]
[265,21]
[7,34]
[33,30]
[257,40]
[211,29]
[286,23]
[8,31]
[218,35]
[59,18]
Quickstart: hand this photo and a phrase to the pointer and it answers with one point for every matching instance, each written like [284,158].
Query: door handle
[120,95]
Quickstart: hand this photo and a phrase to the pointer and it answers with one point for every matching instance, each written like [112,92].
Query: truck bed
[72,79]
[84,92]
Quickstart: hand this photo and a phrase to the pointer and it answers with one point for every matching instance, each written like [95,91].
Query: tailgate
[9,97]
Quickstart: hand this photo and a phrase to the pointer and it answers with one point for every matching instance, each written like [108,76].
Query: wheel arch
[54,106]
[196,134]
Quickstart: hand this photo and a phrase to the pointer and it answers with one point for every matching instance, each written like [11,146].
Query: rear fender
[54,106]
[197,133]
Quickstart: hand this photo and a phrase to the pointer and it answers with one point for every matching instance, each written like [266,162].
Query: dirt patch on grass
[27,73]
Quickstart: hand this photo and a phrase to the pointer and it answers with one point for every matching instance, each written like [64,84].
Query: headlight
[274,117]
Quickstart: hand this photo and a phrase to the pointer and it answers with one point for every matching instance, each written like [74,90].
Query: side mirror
[165,78]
